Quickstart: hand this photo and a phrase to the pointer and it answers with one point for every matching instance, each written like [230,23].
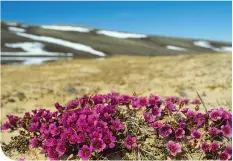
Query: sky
[207,20]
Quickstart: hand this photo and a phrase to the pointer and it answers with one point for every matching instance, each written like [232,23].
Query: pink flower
[81,137]
[172,100]
[5,126]
[156,125]
[226,130]
[72,139]
[190,113]
[51,142]
[182,124]
[148,117]
[54,130]
[34,142]
[156,111]
[116,125]
[130,142]
[58,106]
[200,119]
[97,144]
[224,156]
[52,154]
[143,101]
[171,107]
[213,131]
[205,147]
[85,152]
[110,140]
[214,147]
[225,114]
[215,115]
[179,133]
[125,99]
[165,130]
[139,102]
[61,148]
[196,134]
[196,101]
[229,150]
[96,134]
[185,100]
[21,159]
[173,148]
[155,100]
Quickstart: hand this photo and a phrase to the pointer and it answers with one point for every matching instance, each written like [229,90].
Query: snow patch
[206,44]
[226,49]
[61,42]
[31,48]
[16,29]
[30,60]
[120,35]
[66,28]
[176,48]
[223,49]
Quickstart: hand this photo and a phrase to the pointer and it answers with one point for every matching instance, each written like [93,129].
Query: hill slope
[88,42]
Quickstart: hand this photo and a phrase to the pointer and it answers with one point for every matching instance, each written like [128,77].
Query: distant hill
[62,40]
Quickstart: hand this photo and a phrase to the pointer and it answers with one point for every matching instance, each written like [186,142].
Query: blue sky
[208,20]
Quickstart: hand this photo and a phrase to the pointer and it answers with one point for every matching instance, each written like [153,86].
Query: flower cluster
[177,123]
[89,126]
[85,126]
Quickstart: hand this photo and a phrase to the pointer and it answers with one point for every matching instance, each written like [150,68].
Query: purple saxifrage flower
[205,147]
[184,100]
[179,133]
[54,130]
[196,134]
[130,142]
[196,101]
[214,147]
[173,148]
[171,107]
[52,154]
[139,102]
[228,150]
[61,148]
[190,114]
[85,152]
[156,111]
[97,144]
[155,100]
[224,156]
[73,139]
[213,131]
[5,126]
[110,140]
[116,125]
[200,119]
[182,124]
[125,99]
[143,102]
[215,115]
[148,117]
[226,130]
[172,100]
[21,159]
[34,142]
[156,125]
[165,130]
